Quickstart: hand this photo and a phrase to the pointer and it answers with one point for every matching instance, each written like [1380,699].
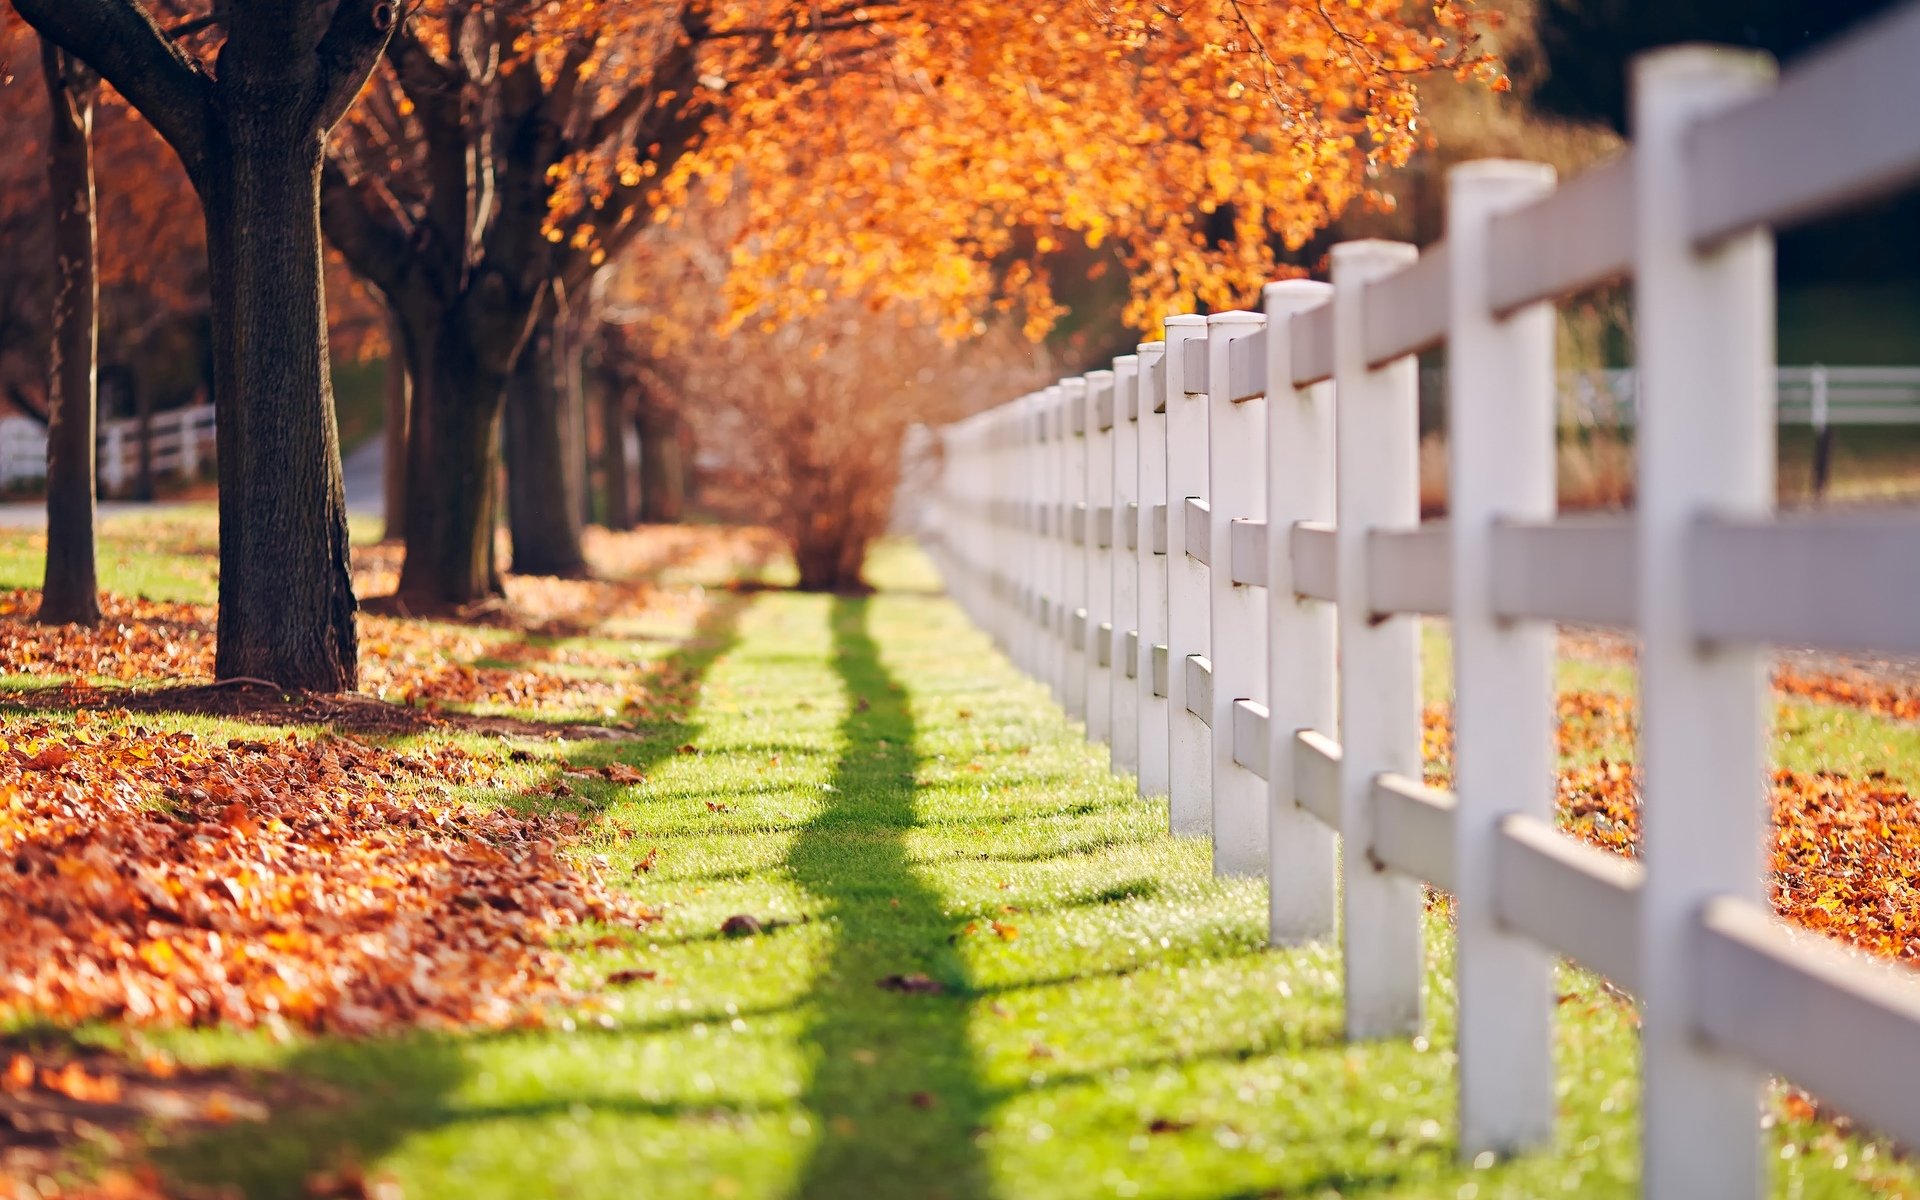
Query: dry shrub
[808,421]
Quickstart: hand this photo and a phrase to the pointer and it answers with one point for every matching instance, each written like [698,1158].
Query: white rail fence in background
[182,439]
[1235,580]
[1819,395]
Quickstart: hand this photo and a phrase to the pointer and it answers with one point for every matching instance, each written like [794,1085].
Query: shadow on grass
[377,1092]
[895,1090]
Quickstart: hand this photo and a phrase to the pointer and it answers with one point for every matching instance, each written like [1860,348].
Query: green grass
[894,787]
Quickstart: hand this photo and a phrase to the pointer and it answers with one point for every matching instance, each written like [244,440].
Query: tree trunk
[394,433]
[613,453]
[829,556]
[663,460]
[569,363]
[70,593]
[286,593]
[451,465]
[543,515]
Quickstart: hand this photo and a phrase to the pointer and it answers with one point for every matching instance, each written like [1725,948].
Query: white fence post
[1189,740]
[1125,704]
[1500,433]
[113,471]
[1377,474]
[1073,589]
[1300,631]
[1236,489]
[1099,527]
[1705,441]
[189,445]
[1031,492]
[1053,475]
[1151,558]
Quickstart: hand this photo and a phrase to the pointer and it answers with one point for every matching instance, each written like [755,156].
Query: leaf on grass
[915,984]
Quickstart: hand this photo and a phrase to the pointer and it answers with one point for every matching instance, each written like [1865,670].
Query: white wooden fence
[182,439]
[1213,554]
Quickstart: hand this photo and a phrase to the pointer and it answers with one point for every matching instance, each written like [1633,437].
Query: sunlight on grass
[982,969]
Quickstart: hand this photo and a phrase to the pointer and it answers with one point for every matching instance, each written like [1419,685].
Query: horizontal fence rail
[179,441]
[1212,553]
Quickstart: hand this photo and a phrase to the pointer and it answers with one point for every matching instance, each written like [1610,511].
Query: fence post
[1126,565]
[1099,443]
[1236,490]
[1007,528]
[1376,482]
[1189,740]
[1151,557]
[1300,645]
[189,443]
[1028,492]
[1818,385]
[1053,569]
[1500,432]
[114,470]
[1705,441]
[1075,515]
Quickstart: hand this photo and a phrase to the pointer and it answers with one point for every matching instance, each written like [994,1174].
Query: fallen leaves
[312,881]
[913,985]
[1844,855]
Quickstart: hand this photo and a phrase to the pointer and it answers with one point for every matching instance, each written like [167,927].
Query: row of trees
[485,164]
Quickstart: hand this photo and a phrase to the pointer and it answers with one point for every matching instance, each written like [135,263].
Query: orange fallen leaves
[319,882]
[136,639]
[1852,689]
[1845,850]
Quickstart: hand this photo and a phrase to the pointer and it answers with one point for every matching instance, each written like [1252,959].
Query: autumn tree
[70,593]
[445,193]
[248,122]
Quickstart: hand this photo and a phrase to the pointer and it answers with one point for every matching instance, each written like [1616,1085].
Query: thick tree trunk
[451,466]
[286,594]
[613,453]
[543,514]
[663,460]
[394,450]
[569,363]
[829,557]
[70,594]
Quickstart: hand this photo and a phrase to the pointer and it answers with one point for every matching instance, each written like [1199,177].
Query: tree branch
[118,39]
[349,50]
[373,244]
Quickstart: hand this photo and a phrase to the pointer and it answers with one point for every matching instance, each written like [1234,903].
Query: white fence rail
[182,439]
[1254,624]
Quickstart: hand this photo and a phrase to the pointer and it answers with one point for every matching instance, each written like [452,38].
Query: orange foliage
[941,152]
[170,878]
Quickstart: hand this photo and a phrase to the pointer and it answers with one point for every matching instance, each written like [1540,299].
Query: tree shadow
[881,1051]
[376,1092]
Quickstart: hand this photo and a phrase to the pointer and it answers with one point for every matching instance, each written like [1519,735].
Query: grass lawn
[1078,1008]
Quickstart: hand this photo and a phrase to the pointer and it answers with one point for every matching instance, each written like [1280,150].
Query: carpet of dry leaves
[165,876]
[162,876]
[1845,852]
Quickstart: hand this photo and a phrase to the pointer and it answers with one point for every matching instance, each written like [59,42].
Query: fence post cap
[1238,317]
[1673,66]
[1502,171]
[1313,291]
[1186,321]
